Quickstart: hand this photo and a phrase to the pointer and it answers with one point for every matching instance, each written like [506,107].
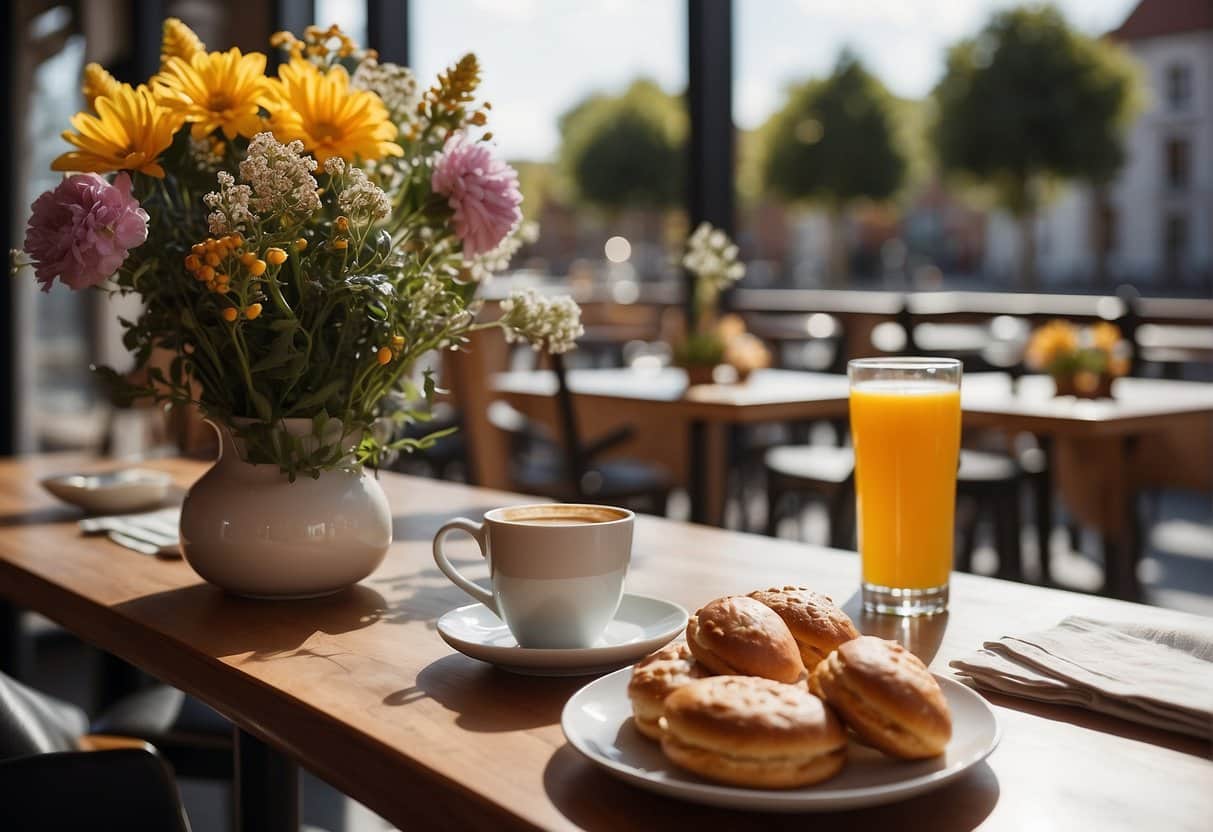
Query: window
[1106,227]
[1178,162]
[588,106]
[1175,244]
[1179,87]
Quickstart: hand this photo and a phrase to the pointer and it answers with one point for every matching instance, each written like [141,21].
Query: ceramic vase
[248,529]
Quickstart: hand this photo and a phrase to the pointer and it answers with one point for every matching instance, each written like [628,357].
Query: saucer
[641,625]
[112,492]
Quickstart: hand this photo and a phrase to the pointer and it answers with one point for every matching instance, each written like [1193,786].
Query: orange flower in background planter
[1082,361]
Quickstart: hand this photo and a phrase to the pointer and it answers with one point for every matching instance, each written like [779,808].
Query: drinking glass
[905,424]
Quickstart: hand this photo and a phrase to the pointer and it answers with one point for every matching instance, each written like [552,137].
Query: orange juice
[907,444]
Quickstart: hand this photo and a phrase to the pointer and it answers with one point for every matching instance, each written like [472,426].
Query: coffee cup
[556,569]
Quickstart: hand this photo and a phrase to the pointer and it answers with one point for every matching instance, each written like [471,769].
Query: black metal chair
[990,482]
[49,782]
[573,472]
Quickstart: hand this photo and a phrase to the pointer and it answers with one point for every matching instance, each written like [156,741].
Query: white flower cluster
[205,154]
[551,323]
[483,266]
[394,84]
[281,177]
[361,199]
[229,206]
[712,256]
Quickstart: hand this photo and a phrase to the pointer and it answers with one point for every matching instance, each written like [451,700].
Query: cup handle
[476,530]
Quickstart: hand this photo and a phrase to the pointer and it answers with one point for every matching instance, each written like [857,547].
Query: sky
[542,56]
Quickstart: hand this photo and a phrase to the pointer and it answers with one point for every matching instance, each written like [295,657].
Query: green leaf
[320,396]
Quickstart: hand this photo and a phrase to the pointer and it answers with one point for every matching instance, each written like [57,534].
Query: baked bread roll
[747,731]
[654,678]
[886,695]
[738,636]
[815,621]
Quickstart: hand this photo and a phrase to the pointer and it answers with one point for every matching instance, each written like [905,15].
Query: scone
[815,621]
[886,695]
[654,678]
[739,636]
[747,731]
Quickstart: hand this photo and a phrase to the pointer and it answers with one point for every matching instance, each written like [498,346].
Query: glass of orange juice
[905,424]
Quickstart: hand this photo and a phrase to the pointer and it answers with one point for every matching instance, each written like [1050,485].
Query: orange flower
[97,82]
[129,132]
[330,117]
[1105,336]
[1052,341]
[216,90]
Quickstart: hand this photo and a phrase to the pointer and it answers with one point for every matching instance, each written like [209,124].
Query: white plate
[641,625]
[597,721]
[112,492]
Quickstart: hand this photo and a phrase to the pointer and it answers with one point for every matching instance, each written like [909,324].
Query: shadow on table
[419,595]
[486,699]
[922,636]
[1103,723]
[423,525]
[41,516]
[591,799]
[226,625]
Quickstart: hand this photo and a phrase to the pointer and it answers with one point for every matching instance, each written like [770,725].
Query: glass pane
[587,105]
[59,405]
[854,223]
[350,15]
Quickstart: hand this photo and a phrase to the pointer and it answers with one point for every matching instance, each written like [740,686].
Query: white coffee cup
[556,569]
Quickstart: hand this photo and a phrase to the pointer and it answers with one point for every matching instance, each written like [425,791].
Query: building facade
[1153,226]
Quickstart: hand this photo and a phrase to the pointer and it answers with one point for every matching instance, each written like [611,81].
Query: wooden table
[360,689]
[659,403]
[1098,440]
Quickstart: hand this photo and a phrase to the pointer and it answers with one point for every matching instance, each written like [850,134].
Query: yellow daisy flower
[129,132]
[178,41]
[97,82]
[216,90]
[329,117]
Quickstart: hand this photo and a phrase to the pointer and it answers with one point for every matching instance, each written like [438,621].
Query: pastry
[886,695]
[654,678]
[739,636]
[815,621]
[747,731]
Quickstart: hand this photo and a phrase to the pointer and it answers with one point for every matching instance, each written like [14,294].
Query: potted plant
[712,258]
[297,241]
[1083,361]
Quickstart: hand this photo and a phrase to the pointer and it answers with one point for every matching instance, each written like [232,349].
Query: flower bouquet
[297,241]
[712,258]
[1082,361]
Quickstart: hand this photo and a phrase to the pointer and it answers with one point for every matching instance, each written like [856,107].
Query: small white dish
[597,721]
[111,492]
[641,625]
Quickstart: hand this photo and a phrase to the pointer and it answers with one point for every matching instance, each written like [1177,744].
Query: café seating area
[645,414]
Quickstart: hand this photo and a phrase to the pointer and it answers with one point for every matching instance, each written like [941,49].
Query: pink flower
[82,230]
[481,190]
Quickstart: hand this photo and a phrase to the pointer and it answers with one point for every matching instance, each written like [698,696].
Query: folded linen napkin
[1155,676]
[149,532]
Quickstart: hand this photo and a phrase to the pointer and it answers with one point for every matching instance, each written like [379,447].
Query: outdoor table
[1098,436]
[359,688]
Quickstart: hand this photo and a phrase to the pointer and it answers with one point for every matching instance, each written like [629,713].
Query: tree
[834,142]
[1028,101]
[626,150]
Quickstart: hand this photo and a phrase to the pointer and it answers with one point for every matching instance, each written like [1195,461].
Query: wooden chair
[575,472]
